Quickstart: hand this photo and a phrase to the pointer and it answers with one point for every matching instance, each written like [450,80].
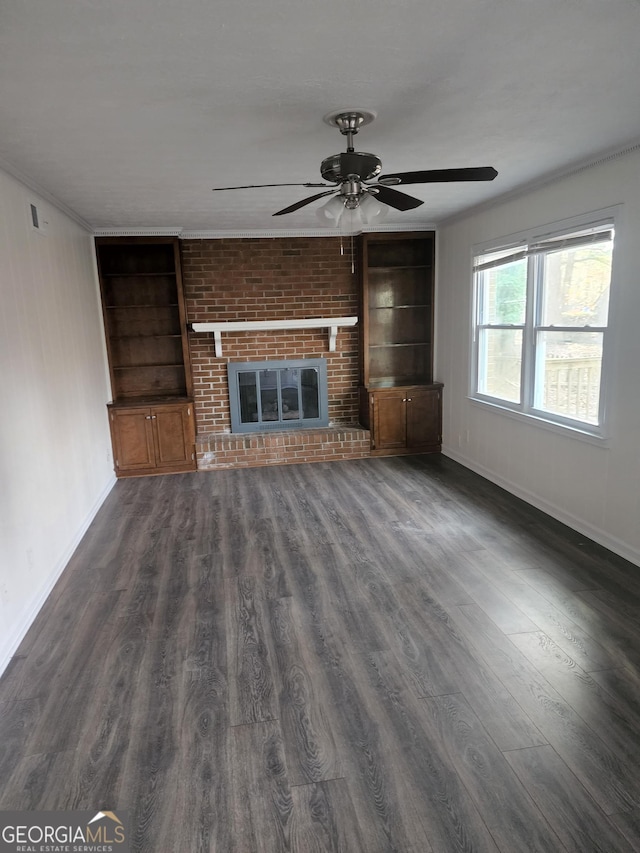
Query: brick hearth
[225,450]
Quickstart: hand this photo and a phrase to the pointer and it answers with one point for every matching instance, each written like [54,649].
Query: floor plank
[306,718]
[260,793]
[252,692]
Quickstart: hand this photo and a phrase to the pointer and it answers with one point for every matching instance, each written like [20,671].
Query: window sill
[542,423]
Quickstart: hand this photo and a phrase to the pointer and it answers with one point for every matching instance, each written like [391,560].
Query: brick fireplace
[272,279]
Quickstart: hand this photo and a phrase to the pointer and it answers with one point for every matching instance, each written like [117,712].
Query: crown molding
[257,234]
[44,194]
[137,232]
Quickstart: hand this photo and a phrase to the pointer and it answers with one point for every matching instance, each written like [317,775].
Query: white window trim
[594,434]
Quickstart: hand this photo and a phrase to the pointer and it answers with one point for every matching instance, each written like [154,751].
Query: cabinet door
[132,435]
[389,421]
[424,418]
[174,436]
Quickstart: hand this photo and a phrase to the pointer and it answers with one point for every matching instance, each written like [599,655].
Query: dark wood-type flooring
[366,656]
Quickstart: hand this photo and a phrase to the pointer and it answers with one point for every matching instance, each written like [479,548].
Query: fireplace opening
[268,395]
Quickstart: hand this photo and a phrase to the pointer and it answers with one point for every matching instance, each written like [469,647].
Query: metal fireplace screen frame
[271,395]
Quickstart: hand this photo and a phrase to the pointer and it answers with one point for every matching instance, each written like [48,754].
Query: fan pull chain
[353,254]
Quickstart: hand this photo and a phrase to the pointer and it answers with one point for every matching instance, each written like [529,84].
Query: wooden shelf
[332,324]
[166,274]
[392,382]
[399,307]
[141,305]
[147,366]
[376,267]
[409,344]
[135,337]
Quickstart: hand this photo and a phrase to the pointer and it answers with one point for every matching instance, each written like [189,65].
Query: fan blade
[435,176]
[401,201]
[302,203]
[256,186]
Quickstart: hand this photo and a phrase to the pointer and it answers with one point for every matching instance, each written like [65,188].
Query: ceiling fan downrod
[349,125]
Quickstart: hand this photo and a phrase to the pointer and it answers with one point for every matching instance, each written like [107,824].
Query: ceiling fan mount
[349,121]
[351,171]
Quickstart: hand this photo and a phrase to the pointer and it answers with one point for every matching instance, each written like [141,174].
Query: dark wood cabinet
[148,349]
[404,419]
[152,439]
[399,402]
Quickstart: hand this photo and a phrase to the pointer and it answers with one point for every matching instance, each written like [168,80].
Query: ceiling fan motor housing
[339,167]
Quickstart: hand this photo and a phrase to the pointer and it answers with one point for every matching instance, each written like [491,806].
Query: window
[541,315]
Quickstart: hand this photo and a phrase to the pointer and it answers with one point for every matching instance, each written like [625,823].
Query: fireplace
[272,395]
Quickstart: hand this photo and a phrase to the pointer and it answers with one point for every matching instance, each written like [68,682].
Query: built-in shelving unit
[398,286]
[399,402]
[144,317]
[148,348]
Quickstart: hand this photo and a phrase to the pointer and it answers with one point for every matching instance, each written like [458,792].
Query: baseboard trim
[33,608]
[600,536]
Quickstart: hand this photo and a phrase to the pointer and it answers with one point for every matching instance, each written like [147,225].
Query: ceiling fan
[356,176]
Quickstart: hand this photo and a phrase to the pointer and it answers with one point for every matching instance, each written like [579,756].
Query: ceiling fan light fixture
[337,214]
[331,211]
[350,212]
[371,210]
[350,222]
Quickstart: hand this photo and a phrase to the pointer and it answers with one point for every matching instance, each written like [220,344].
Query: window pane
[500,363]
[568,374]
[505,293]
[576,286]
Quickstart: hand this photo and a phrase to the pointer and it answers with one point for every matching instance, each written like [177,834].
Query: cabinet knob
[409,399]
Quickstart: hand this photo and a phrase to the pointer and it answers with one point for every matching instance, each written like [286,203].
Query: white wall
[595,490]
[55,453]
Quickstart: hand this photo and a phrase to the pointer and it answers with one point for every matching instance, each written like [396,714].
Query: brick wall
[266,279]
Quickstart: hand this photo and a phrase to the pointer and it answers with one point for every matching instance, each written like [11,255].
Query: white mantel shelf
[330,323]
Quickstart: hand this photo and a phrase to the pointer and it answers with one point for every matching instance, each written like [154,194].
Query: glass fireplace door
[277,394]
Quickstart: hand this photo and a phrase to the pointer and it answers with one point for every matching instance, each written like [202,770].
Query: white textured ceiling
[129,111]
